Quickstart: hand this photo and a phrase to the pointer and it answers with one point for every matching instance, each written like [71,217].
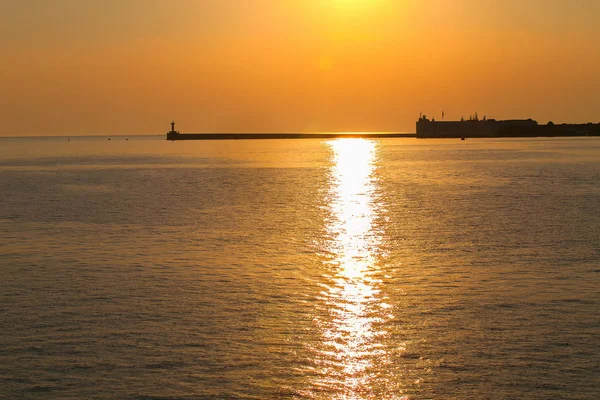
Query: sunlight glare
[351,338]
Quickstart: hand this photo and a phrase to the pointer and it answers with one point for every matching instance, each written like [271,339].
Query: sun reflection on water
[352,352]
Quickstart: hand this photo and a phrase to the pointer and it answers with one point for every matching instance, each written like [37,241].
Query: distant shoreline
[267,136]
[491,128]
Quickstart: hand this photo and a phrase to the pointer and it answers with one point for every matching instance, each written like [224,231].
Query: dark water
[344,269]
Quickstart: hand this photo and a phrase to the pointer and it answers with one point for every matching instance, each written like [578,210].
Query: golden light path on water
[352,355]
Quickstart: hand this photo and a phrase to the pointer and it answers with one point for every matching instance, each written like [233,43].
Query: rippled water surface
[334,269]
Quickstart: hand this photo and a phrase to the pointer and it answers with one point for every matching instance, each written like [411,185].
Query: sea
[137,268]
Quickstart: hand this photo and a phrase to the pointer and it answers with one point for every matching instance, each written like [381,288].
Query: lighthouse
[173,133]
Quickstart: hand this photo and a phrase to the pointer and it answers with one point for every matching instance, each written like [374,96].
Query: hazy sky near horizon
[130,66]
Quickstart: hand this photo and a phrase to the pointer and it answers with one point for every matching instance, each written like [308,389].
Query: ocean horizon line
[207,133]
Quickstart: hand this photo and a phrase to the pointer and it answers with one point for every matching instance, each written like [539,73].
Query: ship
[474,127]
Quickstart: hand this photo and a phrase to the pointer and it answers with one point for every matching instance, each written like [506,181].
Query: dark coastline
[426,129]
[491,128]
[272,136]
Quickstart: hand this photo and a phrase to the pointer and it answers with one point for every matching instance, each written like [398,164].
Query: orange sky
[130,66]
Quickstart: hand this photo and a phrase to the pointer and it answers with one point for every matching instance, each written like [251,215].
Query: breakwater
[173,135]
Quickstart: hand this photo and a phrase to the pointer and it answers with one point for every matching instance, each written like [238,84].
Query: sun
[359,8]
[350,3]
[357,3]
